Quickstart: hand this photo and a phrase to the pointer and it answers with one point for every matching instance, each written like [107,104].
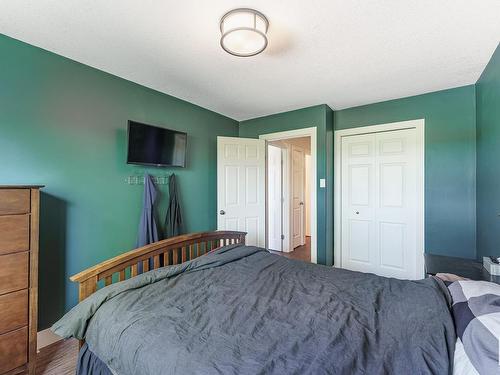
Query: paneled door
[380,203]
[241,174]
[298,196]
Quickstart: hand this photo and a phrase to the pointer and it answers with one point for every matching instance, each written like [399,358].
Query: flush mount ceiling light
[243,32]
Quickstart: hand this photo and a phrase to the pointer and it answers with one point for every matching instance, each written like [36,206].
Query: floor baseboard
[46,338]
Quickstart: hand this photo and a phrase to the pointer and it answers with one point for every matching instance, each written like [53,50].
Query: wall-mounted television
[152,145]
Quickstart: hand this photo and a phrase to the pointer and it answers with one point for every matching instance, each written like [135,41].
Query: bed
[212,305]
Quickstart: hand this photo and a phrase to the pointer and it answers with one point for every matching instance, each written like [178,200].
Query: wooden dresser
[19,211]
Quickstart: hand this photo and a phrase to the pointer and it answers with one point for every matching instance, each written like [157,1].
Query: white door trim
[419,125]
[305,132]
[274,209]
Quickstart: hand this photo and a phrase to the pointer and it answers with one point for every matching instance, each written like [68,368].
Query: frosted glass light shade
[244,32]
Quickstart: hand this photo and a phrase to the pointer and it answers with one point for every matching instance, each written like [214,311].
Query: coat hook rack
[139,180]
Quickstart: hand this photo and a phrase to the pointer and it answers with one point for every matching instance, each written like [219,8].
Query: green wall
[320,116]
[488,157]
[63,124]
[450,161]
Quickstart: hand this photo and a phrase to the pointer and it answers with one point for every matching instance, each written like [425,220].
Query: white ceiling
[338,52]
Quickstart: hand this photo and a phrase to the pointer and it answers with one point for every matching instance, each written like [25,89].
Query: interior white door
[307,192]
[241,203]
[298,175]
[379,203]
[274,197]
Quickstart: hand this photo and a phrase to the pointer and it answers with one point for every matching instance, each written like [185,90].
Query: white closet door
[241,202]
[379,203]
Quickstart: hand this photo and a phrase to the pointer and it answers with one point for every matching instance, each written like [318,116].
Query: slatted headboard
[171,251]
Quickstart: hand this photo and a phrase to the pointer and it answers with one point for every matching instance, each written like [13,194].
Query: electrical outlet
[322,183]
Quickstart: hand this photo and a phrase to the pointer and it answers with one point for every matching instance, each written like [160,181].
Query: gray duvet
[242,310]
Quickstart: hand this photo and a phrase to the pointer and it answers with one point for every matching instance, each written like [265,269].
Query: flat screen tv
[152,145]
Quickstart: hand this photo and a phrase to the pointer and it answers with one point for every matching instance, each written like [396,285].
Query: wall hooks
[139,180]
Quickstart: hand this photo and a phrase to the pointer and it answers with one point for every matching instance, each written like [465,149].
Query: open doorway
[289,197]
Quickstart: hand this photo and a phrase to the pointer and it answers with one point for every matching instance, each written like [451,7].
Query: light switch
[322,183]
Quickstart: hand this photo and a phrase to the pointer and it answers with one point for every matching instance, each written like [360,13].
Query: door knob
[222,212]
[301,203]
[357,212]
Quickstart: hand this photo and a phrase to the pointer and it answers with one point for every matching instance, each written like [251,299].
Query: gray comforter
[242,310]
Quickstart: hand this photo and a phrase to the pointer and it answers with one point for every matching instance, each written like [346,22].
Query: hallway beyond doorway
[288,193]
[309,205]
[302,253]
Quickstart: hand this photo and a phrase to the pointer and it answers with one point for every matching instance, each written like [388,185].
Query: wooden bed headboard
[171,251]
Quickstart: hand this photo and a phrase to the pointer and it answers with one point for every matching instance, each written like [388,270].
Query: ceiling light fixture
[243,32]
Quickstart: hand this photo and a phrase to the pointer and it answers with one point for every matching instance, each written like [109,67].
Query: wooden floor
[300,253]
[58,358]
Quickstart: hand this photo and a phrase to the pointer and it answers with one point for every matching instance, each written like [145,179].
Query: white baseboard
[46,338]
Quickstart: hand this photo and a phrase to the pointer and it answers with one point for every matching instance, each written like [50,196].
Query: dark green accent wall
[488,157]
[450,161]
[320,116]
[63,124]
[329,186]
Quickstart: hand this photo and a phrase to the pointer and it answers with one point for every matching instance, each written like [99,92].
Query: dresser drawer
[14,233]
[13,349]
[13,311]
[14,272]
[14,201]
